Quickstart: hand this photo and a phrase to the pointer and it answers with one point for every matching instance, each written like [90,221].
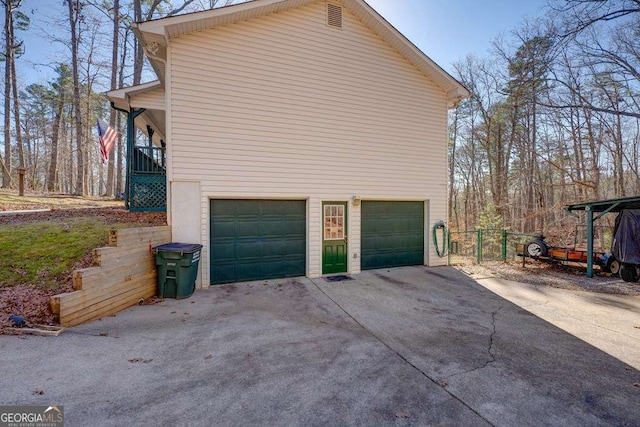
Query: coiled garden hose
[440,225]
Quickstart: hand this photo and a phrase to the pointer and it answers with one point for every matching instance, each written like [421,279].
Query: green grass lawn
[40,252]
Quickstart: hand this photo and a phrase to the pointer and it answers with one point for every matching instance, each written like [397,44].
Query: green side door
[334,237]
[392,234]
[257,240]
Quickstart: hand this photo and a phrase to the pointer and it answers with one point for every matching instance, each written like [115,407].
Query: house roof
[156,34]
[121,98]
[129,97]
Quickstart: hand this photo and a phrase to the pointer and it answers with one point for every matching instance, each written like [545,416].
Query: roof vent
[334,15]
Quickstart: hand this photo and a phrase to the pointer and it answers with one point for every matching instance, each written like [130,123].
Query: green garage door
[392,234]
[257,239]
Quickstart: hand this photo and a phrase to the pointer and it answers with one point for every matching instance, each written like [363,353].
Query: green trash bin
[177,265]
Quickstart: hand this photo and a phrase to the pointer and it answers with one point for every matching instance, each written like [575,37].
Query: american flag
[108,137]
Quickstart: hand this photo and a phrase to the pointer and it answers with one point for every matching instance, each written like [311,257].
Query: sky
[448,30]
[445,30]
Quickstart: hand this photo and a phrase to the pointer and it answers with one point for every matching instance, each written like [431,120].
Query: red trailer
[538,248]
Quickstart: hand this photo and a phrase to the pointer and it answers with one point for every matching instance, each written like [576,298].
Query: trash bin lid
[183,248]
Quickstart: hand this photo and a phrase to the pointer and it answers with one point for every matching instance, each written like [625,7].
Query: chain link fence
[485,244]
[497,244]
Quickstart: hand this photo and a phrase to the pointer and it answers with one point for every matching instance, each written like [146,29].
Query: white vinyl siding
[283,106]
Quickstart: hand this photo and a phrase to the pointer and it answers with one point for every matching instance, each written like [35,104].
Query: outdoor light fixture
[153,48]
[356,200]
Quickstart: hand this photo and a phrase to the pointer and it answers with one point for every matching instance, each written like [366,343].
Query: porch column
[589,241]
[131,139]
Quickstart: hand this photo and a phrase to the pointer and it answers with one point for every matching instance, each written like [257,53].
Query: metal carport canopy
[603,207]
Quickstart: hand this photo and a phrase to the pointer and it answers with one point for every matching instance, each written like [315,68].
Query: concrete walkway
[608,322]
[408,346]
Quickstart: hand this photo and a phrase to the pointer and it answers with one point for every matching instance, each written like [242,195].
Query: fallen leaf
[173,312]
[208,356]
[636,384]
[104,334]
[402,415]
[443,383]
[40,392]
[136,360]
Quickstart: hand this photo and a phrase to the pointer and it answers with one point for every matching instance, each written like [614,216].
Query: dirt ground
[542,273]
[110,215]
[11,201]
[32,301]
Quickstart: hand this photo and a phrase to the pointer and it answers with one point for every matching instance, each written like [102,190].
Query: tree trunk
[8,26]
[53,165]
[74,13]
[114,78]
[452,162]
[139,54]
[119,145]
[16,107]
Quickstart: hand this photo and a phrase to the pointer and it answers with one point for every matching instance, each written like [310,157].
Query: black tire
[629,272]
[536,248]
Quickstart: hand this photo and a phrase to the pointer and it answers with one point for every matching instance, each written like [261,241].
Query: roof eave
[154,44]
[121,97]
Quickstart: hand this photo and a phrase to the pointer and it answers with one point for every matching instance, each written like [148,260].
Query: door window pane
[333,222]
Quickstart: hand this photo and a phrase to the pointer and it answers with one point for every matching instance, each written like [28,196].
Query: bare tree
[112,86]
[60,90]
[75,14]
[8,55]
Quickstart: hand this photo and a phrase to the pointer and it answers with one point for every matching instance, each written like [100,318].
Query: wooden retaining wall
[124,273]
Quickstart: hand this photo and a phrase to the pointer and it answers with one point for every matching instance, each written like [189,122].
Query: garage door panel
[224,273]
[223,251]
[249,270]
[224,228]
[248,229]
[392,234]
[272,227]
[293,247]
[246,250]
[257,239]
[293,269]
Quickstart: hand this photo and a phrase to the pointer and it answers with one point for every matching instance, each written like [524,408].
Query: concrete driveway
[407,346]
